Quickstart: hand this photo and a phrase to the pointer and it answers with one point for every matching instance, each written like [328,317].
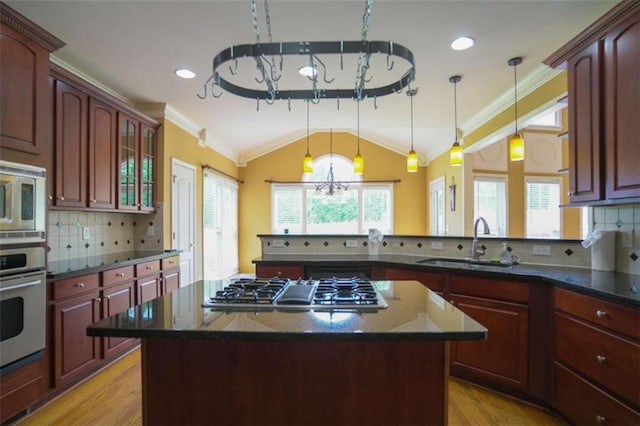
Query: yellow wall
[174,142]
[460,222]
[440,167]
[285,164]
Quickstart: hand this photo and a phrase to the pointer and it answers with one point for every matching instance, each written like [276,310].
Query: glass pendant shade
[358,164]
[307,163]
[412,162]
[516,148]
[455,154]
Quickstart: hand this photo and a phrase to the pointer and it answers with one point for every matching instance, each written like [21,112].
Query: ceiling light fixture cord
[411,93]
[455,111]
[515,91]
[307,126]
[358,113]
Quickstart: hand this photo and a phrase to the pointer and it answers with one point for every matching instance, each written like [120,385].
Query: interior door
[183,229]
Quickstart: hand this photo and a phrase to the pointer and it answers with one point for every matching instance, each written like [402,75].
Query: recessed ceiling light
[308,71]
[185,73]
[462,43]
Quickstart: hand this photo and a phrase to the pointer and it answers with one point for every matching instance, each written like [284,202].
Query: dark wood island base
[294,382]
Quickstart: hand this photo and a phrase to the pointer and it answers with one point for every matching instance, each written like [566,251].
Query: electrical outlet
[437,245]
[542,250]
[151,230]
[626,238]
[85,233]
[277,243]
[351,243]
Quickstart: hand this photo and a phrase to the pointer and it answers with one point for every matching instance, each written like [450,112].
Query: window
[436,206]
[302,209]
[551,119]
[586,219]
[490,202]
[220,226]
[543,208]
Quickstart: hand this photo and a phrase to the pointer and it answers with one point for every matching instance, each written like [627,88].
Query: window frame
[435,185]
[542,179]
[491,177]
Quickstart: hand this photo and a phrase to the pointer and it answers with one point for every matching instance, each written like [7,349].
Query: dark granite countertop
[413,313]
[85,265]
[615,286]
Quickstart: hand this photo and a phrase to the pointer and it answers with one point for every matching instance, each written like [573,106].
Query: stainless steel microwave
[23,203]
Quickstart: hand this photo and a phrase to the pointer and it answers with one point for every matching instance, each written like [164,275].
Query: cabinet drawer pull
[600,419]
[98,299]
[601,358]
[60,198]
[601,314]
[171,262]
[79,285]
[120,274]
[148,268]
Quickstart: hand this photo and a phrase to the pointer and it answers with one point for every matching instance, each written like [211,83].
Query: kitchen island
[270,366]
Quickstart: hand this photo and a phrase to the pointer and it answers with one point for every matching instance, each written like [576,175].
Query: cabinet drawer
[116,276]
[618,318]
[147,268]
[584,404]
[170,262]
[513,291]
[432,280]
[603,357]
[73,286]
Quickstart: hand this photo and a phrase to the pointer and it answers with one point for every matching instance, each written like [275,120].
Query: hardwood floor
[113,397]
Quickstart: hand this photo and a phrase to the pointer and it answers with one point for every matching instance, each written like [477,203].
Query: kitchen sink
[450,262]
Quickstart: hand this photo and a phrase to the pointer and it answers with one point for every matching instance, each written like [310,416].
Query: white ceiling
[133,47]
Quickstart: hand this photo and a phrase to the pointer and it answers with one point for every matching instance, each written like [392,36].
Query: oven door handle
[13,287]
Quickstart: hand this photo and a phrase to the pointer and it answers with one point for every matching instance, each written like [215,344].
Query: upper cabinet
[136,164]
[25,98]
[104,151]
[603,69]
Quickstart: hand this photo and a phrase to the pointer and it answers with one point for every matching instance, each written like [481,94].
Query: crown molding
[533,81]
[73,70]
[23,25]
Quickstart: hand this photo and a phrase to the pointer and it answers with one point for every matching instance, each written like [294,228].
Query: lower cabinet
[502,360]
[597,360]
[170,267]
[79,301]
[284,271]
[433,280]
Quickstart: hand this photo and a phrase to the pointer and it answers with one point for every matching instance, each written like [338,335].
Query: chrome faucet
[476,251]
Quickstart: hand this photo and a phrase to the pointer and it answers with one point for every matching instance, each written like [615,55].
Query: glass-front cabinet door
[128,165]
[148,168]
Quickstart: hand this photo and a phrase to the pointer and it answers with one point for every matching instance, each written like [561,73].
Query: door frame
[174,205]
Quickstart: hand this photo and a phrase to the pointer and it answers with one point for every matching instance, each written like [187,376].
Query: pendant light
[307,162]
[358,161]
[412,157]
[516,143]
[455,154]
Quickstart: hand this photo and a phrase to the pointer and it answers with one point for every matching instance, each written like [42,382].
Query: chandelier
[331,185]
[273,60]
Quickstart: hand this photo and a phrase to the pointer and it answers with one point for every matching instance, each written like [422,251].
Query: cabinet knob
[601,358]
[80,285]
[60,198]
[50,197]
[98,299]
[148,268]
[600,419]
[453,302]
[171,262]
[120,274]
[94,201]
[138,205]
[108,298]
[601,314]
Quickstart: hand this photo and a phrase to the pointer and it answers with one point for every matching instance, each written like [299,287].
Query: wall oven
[22,306]
[23,203]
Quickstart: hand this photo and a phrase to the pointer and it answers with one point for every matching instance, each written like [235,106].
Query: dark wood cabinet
[102,154]
[502,359]
[622,108]
[136,164]
[25,98]
[114,300]
[597,360]
[603,74]
[70,130]
[586,182]
[433,280]
[284,271]
[105,152]
[148,288]
[77,304]
[170,274]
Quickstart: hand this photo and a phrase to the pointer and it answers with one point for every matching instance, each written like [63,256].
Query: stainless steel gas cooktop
[286,294]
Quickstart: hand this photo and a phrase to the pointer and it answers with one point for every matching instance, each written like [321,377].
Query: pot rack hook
[234,70]
[390,66]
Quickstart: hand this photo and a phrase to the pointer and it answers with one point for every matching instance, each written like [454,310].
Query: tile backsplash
[624,219]
[73,234]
